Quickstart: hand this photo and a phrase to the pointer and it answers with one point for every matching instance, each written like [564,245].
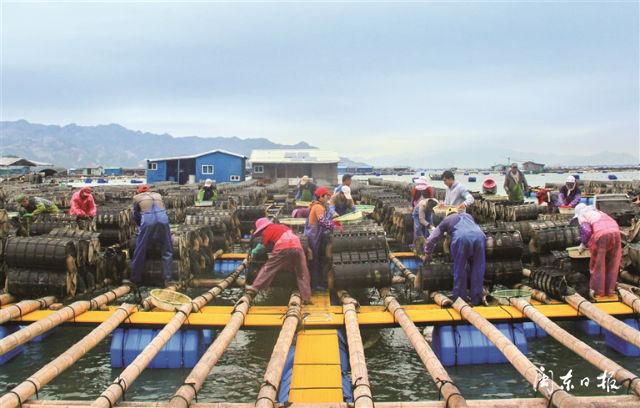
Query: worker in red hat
[318,224]
[286,255]
[82,204]
[150,215]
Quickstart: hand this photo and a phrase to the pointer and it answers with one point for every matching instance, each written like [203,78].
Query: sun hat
[261,223]
[346,190]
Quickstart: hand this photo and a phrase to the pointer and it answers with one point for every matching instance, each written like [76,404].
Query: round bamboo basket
[575,254]
[504,295]
[168,299]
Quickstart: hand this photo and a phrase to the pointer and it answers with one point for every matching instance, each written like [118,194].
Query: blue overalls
[420,230]
[154,229]
[468,251]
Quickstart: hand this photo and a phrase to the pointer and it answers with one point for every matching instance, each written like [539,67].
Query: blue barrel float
[466,345]
[225,267]
[4,332]
[620,345]
[183,350]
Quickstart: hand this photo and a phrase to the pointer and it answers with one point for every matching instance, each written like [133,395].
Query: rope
[18,398]
[108,400]
[273,403]
[634,302]
[195,391]
[462,308]
[446,402]
[34,386]
[630,381]
[580,304]
[550,404]
[508,312]
[442,384]
[72,311]
[119,381]
[19,309]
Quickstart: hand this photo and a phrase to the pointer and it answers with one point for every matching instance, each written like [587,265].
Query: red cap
[320,191]
[144,188]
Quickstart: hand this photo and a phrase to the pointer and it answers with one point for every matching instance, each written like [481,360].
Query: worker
[341,202]
[515,184]
[318,224]
[346,181]
[286,255]
[600,234]
[468,252]
[456,195]
[208,192]
[419,186]
[489,186]
[33,206]
[422,220]
[306,189]
[150,215]
[570,195]
[82,204]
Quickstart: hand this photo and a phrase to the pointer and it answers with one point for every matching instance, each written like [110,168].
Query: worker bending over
[286,255]
[82,204]
[342,202]
[150,215]
[209,192]
[34,206]
[468,251]
[422,215]
[456,195]
[601,235]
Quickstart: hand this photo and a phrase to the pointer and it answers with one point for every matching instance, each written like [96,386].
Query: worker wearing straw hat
[468,251]
[150,215]
[420,190]
[208,192]
[306,189]
[342,202]
[600,234]
[286,255]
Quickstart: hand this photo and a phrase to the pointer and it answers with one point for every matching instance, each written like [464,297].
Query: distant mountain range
[112,145]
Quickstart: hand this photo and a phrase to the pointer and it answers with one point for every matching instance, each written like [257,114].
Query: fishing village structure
[62,271]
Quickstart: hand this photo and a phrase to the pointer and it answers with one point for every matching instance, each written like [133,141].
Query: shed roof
[195,156]
[20,161]
[293,156]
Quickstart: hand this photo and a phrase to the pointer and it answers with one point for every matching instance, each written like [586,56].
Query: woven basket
[168,300]
[504,295]
[575,254]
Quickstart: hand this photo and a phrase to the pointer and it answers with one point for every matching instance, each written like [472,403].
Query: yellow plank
[316,395]
[243,256]
[317,348]
[267,316]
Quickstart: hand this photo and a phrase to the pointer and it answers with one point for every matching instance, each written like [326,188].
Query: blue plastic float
[4,332]
[620,345]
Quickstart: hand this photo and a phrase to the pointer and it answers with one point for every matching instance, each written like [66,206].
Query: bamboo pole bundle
[630,288]
[359,373]
[446,387]
[209,282]
[193,383]
[273,374]
[630,299]
[22,308]
[116,390]
[55,319]
[621,375]
[537,294]
[605,320]
[42,377]
[547,387]
[408,275]
[6,298]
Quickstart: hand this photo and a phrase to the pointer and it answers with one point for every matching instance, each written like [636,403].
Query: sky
[374,81]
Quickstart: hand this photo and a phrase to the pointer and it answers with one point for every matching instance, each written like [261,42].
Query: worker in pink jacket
[601,235]
[82,204]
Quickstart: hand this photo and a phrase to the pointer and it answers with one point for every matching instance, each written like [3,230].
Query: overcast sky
[369,80]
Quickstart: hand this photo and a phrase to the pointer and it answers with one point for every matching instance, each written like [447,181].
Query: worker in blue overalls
[150,214]
[468,251]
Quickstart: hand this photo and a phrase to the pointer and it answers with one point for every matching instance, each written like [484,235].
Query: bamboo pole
[20,309]
[6,298]
[546,386]
[621,375]
[609,401]
[193,383]
[209,282]
[628,277]
[630,299]
[408,275]
[537,294]
[23,391]
[359,373]
[633,289]
[447,388]
[605,320]
[115,391]
[57,318]
[273,374]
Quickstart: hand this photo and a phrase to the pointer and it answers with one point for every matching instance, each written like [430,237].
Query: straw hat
[261,223]
[346,190]
[208,182]
[451,210]
[421,185]
[571,179]
[304,180]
